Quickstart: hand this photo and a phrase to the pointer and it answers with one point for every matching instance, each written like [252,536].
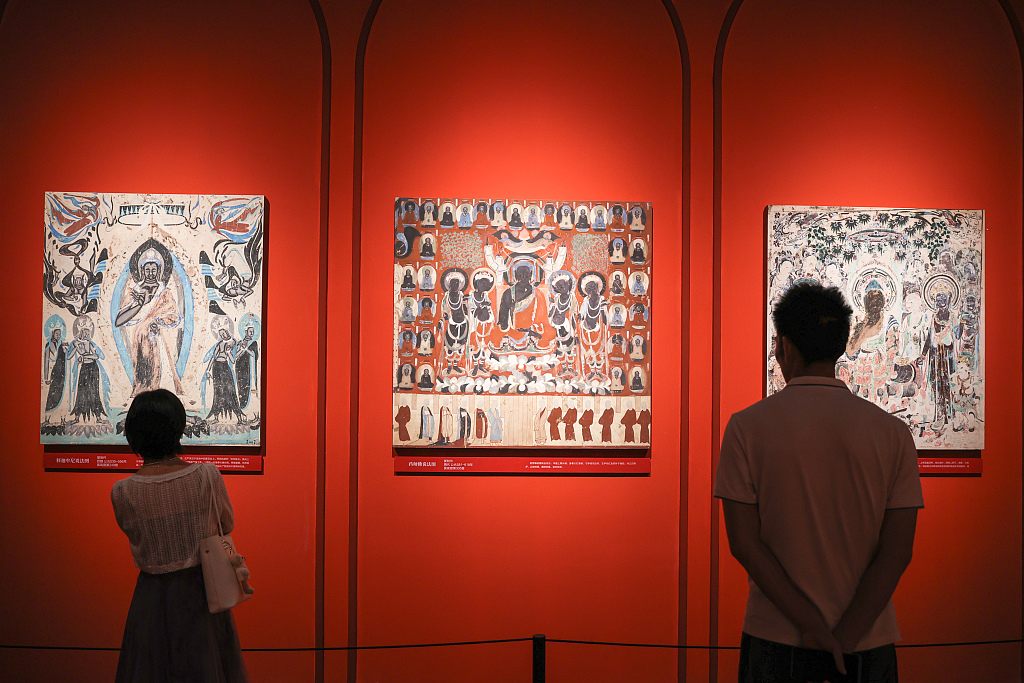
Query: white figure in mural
[637,286]
[532,218]
[593,324]
[481,319]
[454,323]
[834,276]
[783,276]
[563,315]
[810,266]
[566,218]
[88,379]
[913,326]
[497,213]
[151,318]
[496,425]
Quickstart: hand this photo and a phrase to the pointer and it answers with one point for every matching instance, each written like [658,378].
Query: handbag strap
[214,508]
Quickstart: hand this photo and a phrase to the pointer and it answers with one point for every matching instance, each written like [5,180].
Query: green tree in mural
[830,239]
[928,234]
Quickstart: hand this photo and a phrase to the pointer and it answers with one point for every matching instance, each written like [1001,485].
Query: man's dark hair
[816,319]
[154,425]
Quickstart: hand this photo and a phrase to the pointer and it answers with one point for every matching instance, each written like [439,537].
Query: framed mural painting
[521,324]
[916,281]
[146,291]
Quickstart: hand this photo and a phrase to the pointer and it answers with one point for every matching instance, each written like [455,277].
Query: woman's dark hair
[816,319]
[154,425]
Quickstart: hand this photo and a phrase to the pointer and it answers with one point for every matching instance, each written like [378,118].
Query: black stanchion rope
[488,642]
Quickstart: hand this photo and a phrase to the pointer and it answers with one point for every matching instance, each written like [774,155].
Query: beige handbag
[223,588]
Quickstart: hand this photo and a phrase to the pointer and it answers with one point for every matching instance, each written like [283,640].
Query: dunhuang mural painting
[915,279]
[147,291]
[522,323]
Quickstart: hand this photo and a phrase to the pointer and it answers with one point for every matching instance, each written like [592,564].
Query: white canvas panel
[916,281]
[147,291]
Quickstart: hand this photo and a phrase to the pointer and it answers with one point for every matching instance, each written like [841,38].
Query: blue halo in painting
[250,320]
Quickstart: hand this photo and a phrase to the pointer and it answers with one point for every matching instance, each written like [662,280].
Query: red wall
[586,100]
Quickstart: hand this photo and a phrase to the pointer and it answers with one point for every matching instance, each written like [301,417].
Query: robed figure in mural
[220,371]
[523,314]
[150,316]
[941,360]
[481,316]
[87,374]
[872,346]
[54,364]
[247,367]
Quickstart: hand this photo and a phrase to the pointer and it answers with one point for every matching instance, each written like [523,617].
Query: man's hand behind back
[822,639]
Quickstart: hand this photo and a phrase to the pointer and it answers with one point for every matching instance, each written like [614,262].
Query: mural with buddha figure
[150,291]
[915,280]
[522,323]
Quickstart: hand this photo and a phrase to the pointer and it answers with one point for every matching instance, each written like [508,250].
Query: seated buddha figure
[616,223]
[549,217]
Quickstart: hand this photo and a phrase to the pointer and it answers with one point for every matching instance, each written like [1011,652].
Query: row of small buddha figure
[582,217]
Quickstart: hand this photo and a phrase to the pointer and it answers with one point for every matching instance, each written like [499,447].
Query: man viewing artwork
[820,492]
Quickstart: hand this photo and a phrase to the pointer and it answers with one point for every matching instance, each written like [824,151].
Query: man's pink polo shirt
[822,465]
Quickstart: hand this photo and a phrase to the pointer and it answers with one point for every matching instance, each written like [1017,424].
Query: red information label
[431,464]
[129,462]
[949,465]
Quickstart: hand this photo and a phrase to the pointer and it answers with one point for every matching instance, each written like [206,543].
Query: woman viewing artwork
[165,509]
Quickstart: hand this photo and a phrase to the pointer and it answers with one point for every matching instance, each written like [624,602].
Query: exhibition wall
[594,557]
[739,105]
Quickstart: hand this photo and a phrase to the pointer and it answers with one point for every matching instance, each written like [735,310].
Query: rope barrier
[1011,641]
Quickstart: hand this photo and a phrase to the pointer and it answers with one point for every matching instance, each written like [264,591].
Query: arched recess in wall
[193,110]
[459,101]
[814,106]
